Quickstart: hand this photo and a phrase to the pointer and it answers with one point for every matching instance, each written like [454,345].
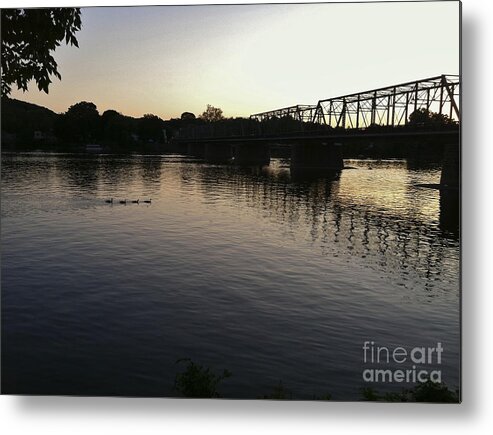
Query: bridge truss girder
[388,106]
[302,113]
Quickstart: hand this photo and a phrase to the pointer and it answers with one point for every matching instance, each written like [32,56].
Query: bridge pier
[218,153]
[450,210]
[316,158]
[450,177]
[251,154]
[196,149]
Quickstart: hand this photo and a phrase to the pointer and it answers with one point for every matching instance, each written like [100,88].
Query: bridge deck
[349,134]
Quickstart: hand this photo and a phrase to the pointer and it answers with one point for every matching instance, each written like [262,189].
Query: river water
[273,278]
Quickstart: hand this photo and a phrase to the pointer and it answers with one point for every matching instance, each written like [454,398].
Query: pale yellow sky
[248,58]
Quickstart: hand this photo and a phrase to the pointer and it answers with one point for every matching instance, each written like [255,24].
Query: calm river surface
[248,270]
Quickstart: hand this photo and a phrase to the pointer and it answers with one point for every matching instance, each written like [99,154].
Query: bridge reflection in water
[387,223]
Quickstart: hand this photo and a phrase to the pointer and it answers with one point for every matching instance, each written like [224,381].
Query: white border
[60,415]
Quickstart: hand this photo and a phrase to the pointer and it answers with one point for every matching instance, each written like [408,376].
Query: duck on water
[124,201]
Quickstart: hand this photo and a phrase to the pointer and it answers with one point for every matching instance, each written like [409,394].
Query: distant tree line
[29,126]
[82,124]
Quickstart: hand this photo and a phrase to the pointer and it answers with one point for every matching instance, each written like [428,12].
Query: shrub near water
[197,381]
[430,392]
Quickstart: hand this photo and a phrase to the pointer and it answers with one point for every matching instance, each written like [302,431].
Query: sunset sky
[247,59]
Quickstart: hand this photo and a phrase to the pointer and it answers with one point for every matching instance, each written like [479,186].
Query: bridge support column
[218,152]
[450,178]
[316,158]
[450,188]
[251,154]
[450,210]
[196,149]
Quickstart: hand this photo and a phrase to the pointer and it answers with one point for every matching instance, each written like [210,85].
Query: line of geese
[133,201]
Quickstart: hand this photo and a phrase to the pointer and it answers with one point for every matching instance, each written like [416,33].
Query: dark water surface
[272,278]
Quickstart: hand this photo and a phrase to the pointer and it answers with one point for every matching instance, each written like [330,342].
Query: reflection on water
[270,276]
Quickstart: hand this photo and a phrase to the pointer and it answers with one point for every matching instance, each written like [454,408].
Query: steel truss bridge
[390,106]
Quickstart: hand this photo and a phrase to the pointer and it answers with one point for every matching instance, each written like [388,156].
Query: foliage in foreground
[197,381]
[430,392]
[29,38]
[279,392]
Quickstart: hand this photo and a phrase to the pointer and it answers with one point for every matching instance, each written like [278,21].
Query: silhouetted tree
[117,129]
[29,36]
[419,116]
[151,128]
[109,114]
[187,116]
[425,117]
[212,114]
[83,110]
[82,121]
